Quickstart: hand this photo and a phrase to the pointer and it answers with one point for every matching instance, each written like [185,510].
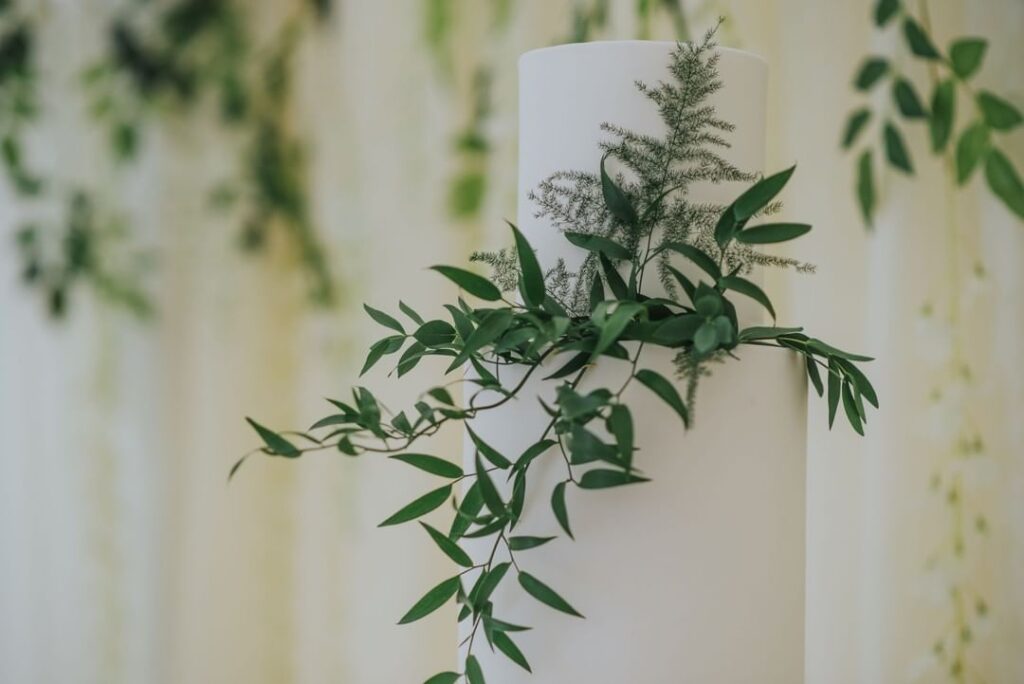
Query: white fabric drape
[124,556]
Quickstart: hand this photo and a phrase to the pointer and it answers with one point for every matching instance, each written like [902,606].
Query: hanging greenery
[555,330]
[977,145]
[173,60]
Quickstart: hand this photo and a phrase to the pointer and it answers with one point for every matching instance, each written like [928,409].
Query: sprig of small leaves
[977,144]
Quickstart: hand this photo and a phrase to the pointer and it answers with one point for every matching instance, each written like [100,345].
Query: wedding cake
[698,575]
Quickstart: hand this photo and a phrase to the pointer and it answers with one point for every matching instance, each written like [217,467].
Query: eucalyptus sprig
[978,144]
[535,332]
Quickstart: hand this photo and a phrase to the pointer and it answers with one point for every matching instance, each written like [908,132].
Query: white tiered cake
[698,575]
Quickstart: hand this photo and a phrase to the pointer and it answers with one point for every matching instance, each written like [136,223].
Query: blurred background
[199,195]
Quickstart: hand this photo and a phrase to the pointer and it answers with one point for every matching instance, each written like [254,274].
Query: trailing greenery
[546,328]
[177,57]
[976,145]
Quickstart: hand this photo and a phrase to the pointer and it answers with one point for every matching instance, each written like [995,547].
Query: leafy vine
[547,329]
[978,142]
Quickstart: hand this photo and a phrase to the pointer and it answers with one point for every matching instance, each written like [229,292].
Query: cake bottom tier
[694,577]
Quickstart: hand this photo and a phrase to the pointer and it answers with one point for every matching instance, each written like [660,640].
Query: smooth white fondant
[698,575]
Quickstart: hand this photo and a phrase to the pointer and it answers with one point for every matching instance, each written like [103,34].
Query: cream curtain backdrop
[127,558]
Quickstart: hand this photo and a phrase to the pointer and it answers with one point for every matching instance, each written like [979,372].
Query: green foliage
[555,330]
[174,59]
[978,141]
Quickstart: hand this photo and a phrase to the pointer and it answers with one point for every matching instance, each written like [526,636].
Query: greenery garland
[978,142]
[551,328]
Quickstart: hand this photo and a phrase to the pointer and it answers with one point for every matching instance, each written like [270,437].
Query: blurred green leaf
[940,124]
[772,232]
[866,186]
[854,125]
[873,69]
[966,55]
[1005,182]
[970,149]
[999,114]
[896,150]
[918,40]
[885,10]
[907,100]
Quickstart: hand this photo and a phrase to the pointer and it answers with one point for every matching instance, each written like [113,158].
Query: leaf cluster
[975,146]
[537,331]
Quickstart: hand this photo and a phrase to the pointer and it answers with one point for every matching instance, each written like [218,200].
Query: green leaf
[772,232]
[759,332]
[999,114]
[1005,182]
[664,389]
[444,678]
[757,197]
[533,277]
[532,452]
[559,508]
[866,186]
[885,10]
[275,443]
[449,547]
[620,425]
[597,243]
[493,326]
[970,149]
[410,312]
[966,55]
[524,543]
[615,281]
[492,499]
[940,124]
[420,506]
[487,451]
[615,198]
[470,282]
[873,69]
[384,319]
[472,503]
[918,41]
[430,464]
[697,256]
[907,100]
[435,333]
[814,375]
[603,478]
[474,675]
[381,348]
[596,292]
[852,414]
[571,366]
[834,384]
[854,125]
[432,600]
[744,286]
[586,447]
[895,149]
[545,594]
[706,338]
[614,326]
[684,282]
[726,227]
[508,647]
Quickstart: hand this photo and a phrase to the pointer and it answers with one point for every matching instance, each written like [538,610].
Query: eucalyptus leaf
[616,199]
[918,40]
[384,319]
[525,543]
[545,594]
[896,150]
[432,600]
[866,186]
[597,243]
[970,149]
[611,275]
[940,124]
[757,197]
[533,277]
[559,508]
[430,464]
[474,675]
[966,55]
[744,286]
[492,499]
[856,123]
[697,256]
[505,644]
[1005,182]
[601,478]
[870,72]
[664,389]
[852,413]
[449,547]
[475,285]
[772,232]
[999,114]
[275,443]
[420,507]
